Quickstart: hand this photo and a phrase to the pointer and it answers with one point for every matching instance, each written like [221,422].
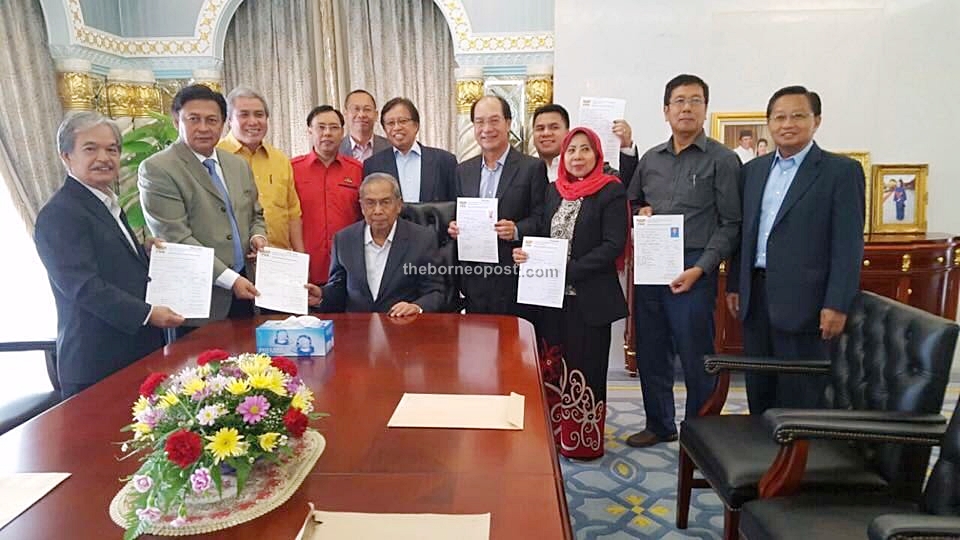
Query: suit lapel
[426,179]
[359,257]
[807,173]
[97,208]
[232,178]
[471,180]
[196,168]
[508,173]
[398,250]
[753,194]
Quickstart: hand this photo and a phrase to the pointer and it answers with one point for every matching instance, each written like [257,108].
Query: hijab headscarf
[572,188]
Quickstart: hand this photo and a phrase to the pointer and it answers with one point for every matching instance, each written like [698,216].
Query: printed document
[477,241]
[657,249]
[543,277]
[281,276]
[598,114]
[181,278]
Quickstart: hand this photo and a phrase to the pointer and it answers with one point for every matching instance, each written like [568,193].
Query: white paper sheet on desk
[464,411]
[322,525]
[20,491]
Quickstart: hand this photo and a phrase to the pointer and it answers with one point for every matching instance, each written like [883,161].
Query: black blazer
[599,237]
[98,283]
[815,247]
[438,171]
[413,246]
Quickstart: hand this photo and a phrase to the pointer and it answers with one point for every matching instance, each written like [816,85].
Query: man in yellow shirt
[248,114]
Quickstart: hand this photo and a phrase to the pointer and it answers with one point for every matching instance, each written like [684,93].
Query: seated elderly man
[382,264]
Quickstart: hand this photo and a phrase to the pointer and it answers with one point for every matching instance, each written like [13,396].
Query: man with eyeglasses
[328,185]
[426,174]
[192,193]
[381,264]
[798,268]
[697,177]
[362,142]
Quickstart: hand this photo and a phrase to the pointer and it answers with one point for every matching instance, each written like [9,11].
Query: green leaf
[217,481]
[243,471]
[135,216]
[138,147]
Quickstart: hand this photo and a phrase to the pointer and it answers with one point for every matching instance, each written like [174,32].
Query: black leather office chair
[437,216]
[891,359]
[16,412]
[844,515]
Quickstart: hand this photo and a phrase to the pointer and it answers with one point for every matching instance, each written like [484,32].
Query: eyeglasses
[370,204]
[796,117]
[320,128]
[399,122]
[493,121]
[356,109]
[682,102]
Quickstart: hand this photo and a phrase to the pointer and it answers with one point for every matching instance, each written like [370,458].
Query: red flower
[151,383]
[183,448]
[285,365]
[213,355]
[295,421]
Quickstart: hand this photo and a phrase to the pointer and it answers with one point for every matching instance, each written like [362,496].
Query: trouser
[668,324]
[766,390]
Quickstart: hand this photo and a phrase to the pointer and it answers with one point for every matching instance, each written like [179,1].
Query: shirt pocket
[700,187]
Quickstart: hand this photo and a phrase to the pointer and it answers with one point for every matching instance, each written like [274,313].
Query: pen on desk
[694,180]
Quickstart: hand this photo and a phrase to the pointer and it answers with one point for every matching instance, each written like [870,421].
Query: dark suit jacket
[815,247]
[598,239]
[347,289]
[379,144]
[98,283]
[438,170]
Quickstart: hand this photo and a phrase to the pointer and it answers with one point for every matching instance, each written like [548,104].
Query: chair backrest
[892,357]
[437,216]
[942,494]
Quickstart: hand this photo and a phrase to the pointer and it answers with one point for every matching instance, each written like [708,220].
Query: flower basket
[248,413]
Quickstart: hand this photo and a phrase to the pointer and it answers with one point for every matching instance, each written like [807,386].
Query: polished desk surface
[365,467]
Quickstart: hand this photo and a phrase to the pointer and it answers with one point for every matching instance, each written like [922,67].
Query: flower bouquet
[217,418]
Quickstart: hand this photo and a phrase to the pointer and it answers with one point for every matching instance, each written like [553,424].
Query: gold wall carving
[127,99]
[539,92]
[76,90]
[468,91]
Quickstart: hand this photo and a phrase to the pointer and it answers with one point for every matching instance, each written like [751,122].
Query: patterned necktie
[211,166]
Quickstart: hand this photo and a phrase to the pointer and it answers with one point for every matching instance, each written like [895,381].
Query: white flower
[149,514]
[142,483]
[209,414]
[179,522]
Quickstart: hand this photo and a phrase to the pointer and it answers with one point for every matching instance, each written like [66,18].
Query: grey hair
[245,92]
[75,122]
[381,177]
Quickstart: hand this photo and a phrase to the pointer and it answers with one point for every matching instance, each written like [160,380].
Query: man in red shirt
[328,186]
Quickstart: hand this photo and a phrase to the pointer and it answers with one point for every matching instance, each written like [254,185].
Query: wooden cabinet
[922,270]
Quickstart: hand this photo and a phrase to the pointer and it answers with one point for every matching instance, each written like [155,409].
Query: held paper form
[321,525]
[20,491]
[181,278]
[459,411]
[543,277]
[281,276]
[598,114]
[477,241]
[657,249]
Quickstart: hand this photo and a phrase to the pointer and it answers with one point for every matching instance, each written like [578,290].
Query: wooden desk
[514,475]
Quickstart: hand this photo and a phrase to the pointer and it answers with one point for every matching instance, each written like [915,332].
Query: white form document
[323,525]
[542,278]
[598,114]
[20,491]
[477,241]
[466,411]
[281,276]
[657,249]
[181,278]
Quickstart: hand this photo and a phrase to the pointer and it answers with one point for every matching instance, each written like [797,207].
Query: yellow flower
[193,386]
[257,364]
[168,400]
[227,442]
[140,405]
[268,441]
[141,427]
[303,399]
[238,387]
[270,379]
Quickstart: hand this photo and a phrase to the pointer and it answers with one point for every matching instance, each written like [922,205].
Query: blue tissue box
[276,340]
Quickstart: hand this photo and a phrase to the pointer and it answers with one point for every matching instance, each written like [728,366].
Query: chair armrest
[905,526]
[715,363]
[47,345]
[788,425]
[854,414]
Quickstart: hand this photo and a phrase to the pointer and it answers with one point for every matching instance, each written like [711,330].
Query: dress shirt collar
[700,142]
[316,158]
[234,146]
[414,149]
[500,160]
[354,144]
[203,158]
[368,237]
[796,158]
[108,199]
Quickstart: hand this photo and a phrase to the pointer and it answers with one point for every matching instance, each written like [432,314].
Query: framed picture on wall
[899,199]
[863,158]
[745,133]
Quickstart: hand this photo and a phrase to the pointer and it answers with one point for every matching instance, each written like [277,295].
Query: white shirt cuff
[149,313]
[630,151]
[227,279]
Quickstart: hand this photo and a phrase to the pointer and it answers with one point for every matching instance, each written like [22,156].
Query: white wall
[888,70]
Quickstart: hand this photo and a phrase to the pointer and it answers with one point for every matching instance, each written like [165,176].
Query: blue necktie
[211,166]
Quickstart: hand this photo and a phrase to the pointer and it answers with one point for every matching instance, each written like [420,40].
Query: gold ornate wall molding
[538,87]
[466,41]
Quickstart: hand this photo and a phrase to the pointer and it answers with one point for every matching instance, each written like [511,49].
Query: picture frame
[899,198]
[863,158]
[727,128]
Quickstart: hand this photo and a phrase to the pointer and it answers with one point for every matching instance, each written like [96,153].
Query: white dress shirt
[408,169]
[745,154]
[553,169]
[375,258]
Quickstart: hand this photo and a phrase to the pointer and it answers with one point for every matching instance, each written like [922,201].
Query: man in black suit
[798,269]
[426,174]
[96,266]
[361,142]
[382,264]
[519,183]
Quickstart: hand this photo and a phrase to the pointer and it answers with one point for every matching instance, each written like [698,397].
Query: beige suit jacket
[181,205]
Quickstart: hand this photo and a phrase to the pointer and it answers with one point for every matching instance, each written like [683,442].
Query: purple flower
[292,386]
[179,522]
[201,480]
[151,416]
[253,409]
[142,483]
[149,514]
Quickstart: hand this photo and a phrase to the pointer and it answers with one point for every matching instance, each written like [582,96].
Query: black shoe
[648,438]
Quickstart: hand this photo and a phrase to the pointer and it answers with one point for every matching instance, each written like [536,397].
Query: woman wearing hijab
[588,208]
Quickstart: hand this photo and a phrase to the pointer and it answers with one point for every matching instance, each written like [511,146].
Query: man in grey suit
[192,193]
[426,174]
[361,110]
[382,264]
